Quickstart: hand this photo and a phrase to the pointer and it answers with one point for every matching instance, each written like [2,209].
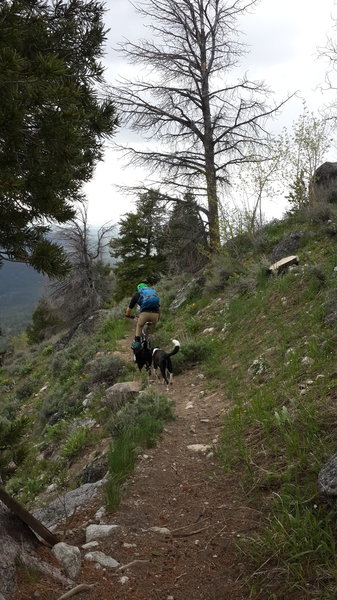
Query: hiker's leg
[152,320]
[142,318]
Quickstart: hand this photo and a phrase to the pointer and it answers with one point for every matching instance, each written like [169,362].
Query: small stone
[189,405]
[199,448]
[102,559]
[97,532]
[124,579]
[100,514]
[204,420]
[306,360]
[162,530]
[69,557]
[90,545]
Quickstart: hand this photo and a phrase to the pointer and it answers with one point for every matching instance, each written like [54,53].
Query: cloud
[282,37]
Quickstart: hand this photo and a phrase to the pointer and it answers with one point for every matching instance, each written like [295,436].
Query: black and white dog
[143,357]
[161,361]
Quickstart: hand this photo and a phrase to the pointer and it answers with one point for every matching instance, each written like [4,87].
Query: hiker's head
[142,284]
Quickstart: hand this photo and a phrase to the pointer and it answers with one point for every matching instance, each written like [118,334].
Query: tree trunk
[50,538]
[211,182]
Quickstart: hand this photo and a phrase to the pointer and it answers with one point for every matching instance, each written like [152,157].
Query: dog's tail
[175,349]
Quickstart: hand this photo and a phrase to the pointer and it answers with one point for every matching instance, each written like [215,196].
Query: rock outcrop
[323,187]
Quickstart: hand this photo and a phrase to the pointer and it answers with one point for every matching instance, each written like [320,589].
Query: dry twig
[83,587]
[137,560]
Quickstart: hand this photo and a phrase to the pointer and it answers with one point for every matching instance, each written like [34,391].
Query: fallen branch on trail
[191,532]
[133,562]
[27,518]
[82,587]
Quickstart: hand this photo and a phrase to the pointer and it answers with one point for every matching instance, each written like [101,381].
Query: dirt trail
[185,492]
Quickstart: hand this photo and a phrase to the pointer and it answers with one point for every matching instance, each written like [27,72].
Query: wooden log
[281,265]
[36,526]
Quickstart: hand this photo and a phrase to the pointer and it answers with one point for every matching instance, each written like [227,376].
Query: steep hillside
[20,289]
[255,384]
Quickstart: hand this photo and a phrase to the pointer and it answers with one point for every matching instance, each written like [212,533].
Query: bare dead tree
[80,292]
[204,119]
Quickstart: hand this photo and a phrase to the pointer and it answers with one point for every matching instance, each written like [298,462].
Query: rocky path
[180,516]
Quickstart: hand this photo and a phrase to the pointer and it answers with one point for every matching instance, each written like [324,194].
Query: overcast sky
[283,37]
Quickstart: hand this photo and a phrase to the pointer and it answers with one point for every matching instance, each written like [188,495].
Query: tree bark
[50,538]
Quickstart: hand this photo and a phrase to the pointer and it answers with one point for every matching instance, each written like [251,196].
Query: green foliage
[139,245]
[55,432]
[149,402]
[106,368]
[52,121]
[298,195]
[135,425]
[219,272]
[44,321]
[112,330]
[185,237]
[192,352]
[75,442]
[12,449]
[25,389]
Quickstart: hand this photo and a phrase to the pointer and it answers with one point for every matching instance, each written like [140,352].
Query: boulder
[323,186]
[120,393]
[289,245]
[94,471]
[65,506]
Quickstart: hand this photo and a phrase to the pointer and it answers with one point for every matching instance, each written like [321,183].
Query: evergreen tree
[44,321]
[186,237]
[52,121]
[139,246]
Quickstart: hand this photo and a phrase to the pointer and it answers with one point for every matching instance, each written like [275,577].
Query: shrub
[192,352]
[75,442]
[149,402]
[25,389]
[105,369]
[320,212]
[219,272]
[44,321]
[60,402]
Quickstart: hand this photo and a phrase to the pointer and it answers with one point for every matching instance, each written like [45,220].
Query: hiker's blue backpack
[148,299]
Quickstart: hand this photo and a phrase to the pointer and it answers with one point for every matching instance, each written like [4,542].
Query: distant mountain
[20,288]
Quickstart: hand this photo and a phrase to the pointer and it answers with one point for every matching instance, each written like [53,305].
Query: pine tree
[186,237]
[52,121]
[139,246]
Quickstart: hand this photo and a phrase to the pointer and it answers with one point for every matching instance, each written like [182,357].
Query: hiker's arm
[132,304]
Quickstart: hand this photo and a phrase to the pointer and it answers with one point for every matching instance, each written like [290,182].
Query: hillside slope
[265,347]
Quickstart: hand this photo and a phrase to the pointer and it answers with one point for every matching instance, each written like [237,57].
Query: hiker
[149,308]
